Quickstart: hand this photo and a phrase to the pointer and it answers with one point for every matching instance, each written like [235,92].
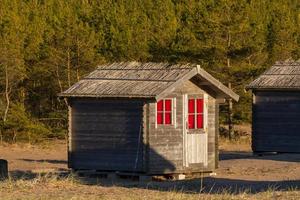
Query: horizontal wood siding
[106,135]
[213,130]
[166,142]
[276,121]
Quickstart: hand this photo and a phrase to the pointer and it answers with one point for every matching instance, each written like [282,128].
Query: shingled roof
[141,80]
[282,75]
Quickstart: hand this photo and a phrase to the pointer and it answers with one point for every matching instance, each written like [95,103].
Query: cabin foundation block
[213,174]
[179,176]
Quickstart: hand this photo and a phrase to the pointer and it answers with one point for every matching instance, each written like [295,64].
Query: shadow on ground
[46,160]
[287,157]
[209,185]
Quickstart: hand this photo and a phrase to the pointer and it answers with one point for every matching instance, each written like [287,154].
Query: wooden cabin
[149,118]
[276,109]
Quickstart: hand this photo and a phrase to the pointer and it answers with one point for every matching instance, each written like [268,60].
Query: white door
[195,129]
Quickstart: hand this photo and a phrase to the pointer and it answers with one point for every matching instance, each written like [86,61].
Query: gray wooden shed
[150,118]
[276,109]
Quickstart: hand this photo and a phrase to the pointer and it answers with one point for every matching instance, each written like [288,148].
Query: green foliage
[48,45]
[20,126]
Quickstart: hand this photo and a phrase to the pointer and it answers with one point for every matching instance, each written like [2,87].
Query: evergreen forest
[48,45]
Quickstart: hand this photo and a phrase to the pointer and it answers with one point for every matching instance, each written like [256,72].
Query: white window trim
[204,112]
[174,122]
[155,114]
[173,113]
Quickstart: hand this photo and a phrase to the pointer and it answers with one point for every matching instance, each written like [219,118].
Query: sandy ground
[35,158]
[238,168]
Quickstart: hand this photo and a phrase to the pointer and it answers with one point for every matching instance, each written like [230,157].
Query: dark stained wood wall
[166,142]
[276,121]
[106,134]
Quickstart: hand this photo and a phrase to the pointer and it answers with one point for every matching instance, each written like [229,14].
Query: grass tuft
[54,186]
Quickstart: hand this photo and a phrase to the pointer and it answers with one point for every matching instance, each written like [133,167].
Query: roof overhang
[273,88]
[195,74]
[204,77]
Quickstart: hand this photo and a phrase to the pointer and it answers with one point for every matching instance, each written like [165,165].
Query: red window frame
[195,113]
[164,111]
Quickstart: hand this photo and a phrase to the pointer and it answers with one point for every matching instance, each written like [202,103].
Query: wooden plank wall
[166,151]
[107,134]
[276,121]
[213,131]
[165,143]
[215,135]
[196,153]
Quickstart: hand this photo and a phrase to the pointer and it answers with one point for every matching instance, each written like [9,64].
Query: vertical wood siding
[107,134]
[197,151]
[276,121]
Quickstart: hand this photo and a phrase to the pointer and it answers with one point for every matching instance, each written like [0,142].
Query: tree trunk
[3,170]
[59,83]
[78,56]
[69,67]
[230,116]
[230,113]
[228,47]
[6,95]
[14,136]
[1,137]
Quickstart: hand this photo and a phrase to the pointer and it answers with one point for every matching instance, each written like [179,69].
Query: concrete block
[179,176]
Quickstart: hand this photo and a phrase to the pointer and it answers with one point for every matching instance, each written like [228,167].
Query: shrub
[22,127]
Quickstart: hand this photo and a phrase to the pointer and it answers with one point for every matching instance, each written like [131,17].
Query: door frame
[185,98]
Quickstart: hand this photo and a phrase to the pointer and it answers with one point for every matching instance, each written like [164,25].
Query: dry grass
[241,144]
[49,186]
[242,141]
[234,174]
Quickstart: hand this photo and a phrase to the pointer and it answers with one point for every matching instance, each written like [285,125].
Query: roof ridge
[143,69]
[287,63]
[283,74]
[280,74]
[129,79]
[166,65]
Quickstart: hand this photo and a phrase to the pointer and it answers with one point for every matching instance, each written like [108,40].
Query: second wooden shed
[150,118]
[276,109]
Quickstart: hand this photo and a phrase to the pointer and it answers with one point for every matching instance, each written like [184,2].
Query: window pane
[191,121]
[199,105]
[191,105]
[159,118]
[168,119]
[168,105]
[160,105]
[200,121]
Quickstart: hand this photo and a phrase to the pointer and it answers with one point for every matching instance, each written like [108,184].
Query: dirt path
[238,168]
[35,158]
[243,165]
